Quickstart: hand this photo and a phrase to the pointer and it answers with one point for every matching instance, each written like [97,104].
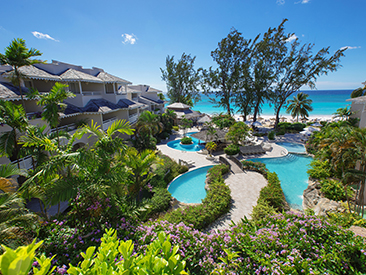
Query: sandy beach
[288,118]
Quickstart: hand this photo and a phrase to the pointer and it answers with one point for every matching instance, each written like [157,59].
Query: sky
[132,39]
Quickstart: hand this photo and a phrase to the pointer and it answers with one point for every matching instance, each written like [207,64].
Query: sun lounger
[252,150]
[188,163]
[203,152]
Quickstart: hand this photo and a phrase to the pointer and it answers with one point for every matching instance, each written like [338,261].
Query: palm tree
[148,123]
[52,103]
[15,117]
[18,55]
[343,113]
[299,105]
[139,167]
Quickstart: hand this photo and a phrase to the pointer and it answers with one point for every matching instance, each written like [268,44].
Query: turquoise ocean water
[325,102]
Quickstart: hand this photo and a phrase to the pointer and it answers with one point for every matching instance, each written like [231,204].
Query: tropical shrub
[215,204]
[334,190]
[262,209]
[255,166]
[232,149]
[280,132]
[288,243]
[186,140]
[159,202]
[319,169]
[223,121]
[176,128]
[271,135]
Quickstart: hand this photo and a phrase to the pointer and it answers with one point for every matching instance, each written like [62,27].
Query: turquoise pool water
[291,171]
[175,144]
[292,147]
[190,187]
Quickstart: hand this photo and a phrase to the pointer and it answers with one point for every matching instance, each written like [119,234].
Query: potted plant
[210,146]
[232,150]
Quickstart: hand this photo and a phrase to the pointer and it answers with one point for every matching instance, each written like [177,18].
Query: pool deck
[245,186]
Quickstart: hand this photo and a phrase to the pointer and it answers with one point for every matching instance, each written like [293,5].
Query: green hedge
[186,140]
[159,202]
[232,149]
[255,166]
[216,203]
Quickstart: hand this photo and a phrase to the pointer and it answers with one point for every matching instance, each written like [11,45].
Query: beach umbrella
[248,123]
[311,129]
[204,119]
[257,124]
[316,124]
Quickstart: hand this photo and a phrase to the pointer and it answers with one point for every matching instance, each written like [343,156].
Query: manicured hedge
[216,203]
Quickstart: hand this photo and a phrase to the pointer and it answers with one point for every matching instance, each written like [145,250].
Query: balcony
[87,93]
[67,128]
[108,122]
[24,163]
[133,118]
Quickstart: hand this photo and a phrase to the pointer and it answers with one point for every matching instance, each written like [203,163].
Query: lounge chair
[203,152]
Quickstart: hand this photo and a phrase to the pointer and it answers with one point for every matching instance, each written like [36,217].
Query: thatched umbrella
[205,136]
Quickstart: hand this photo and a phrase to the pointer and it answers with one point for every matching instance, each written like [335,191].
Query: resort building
[358,108]
[99,97]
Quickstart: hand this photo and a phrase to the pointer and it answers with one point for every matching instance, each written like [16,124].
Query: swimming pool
[175,144]
[190,187]
[291,171]
[293,147]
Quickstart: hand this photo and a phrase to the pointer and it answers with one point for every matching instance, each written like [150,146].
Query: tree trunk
[278,113]
[256,109]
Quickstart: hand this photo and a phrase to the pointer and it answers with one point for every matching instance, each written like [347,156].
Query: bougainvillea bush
[289,243]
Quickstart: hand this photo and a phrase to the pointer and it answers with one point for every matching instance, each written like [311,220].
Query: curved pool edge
[204,166]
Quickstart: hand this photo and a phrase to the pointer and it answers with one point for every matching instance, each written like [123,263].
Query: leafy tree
[15,117]
[223,121]
[238,132]
[185,124]
[148,125]
[222,84]
[211,146]
[181,79]
[298,66]
[299,105]
[18,55]
[53,103]
[139,168]
[245,103]
[343,113]
[359,91]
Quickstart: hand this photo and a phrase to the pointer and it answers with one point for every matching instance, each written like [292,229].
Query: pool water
[175,144]
[292,147]
[291,171]
[190,187]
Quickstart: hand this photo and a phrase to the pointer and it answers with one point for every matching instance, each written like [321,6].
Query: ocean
[325,103]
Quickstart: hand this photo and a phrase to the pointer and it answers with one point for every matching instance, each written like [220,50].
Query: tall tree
[300,105]
[181,79]
[52,103]
[18,55]
[222,84]
[298,66]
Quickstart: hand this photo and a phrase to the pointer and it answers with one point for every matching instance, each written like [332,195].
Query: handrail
[224,161]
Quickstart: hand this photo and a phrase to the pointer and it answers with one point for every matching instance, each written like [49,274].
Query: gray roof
[178,105]
[100,105]
[158,101]
[126,103]
[71,109]
[108,78]
[187,114]
[74,75]
[203,135]
[33,72]
[9,91]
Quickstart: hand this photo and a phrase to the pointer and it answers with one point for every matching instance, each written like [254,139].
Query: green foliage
[334,190]
[19,261]
[238,132]
[261,210]
[223,121]
[319,169]
[181,80]
[176,128]
[186,140]
[300,105]
[216,203]
[271,135]
[280,132]
[160,202]
[291,127]
[255,166]
[272,194]
[160,258]
[346,219]
[166,171]
[232,149]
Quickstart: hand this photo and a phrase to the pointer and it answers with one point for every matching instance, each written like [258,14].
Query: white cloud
[280,2]
[40,35]
[291,38]
[350,47]
[302,2]
[129,38]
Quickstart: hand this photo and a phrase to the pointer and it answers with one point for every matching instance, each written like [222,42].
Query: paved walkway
[245,186]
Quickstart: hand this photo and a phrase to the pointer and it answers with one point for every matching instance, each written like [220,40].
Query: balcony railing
[91,93]
[24,163]
[133,118]
[67,128]
[108,122]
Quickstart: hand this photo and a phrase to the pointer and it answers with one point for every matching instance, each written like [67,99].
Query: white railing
[133,118]
[108,122]
[24,163]
[91,93]
[67,128]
